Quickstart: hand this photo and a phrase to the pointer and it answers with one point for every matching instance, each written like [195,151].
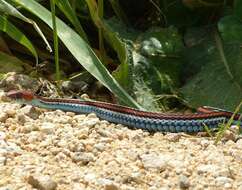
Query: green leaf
[238,9]
[219,81]
[121,42]
[56,41]
[17,35]
[230,28]
[150,59]
[66,8]
[161,67]
[81,51]
[8,9]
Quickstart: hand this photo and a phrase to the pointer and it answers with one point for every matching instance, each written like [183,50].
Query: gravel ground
[48,150]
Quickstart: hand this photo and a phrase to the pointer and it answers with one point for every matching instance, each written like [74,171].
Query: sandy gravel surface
[47,150]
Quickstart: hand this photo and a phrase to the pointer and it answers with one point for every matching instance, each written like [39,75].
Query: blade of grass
[208,130]
[17,35]
[8,9]
[81,51]
[226,126]
[56,51]
[100,33]
[66,8]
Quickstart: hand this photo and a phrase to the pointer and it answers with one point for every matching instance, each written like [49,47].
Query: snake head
[24,96]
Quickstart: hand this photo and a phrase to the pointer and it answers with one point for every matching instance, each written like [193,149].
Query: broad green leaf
[230,28]
[238,9]
[8,9]
[150,59]
[56,41]
[81,51]
[121,42]
[161,67]
[66,8]
[17,35]
[219,81]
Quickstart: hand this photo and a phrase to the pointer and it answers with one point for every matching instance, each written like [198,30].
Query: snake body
[133,118]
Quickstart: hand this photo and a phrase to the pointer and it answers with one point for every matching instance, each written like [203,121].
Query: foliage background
[154,55]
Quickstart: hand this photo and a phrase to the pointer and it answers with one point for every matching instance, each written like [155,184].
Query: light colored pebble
[240,187]
[89,122]
[229,135]
[100,146]
[92,116]
[111,187]
[90,177]
[78,186]
[11,112]
[42,182]
[204,143]
[47,128]
[28,127]
[104,133]
[222,180]
[239,143]
[30,111]
[82,133]
[75,147]
[71,114]
[207,168]
[107,184]
[2,135]
[173,137]
[3,116]
[83,157]
[2,160]
[184,182]
[154,161]
[6,188]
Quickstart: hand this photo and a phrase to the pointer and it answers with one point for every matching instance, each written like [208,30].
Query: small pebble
[27,128]
[84,158]
[235,129]
[173,137]
[100,146]
[204,143]
[42,182]
[108,184]
[221,180]
[30,111]
[47,128]
[3,116]
[229,135]
[184,182]
[3,160]
[2,135]
[89,122]
[154,161]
